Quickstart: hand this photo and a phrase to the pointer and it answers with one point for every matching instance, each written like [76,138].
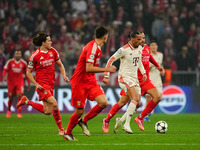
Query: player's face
[17,55]
[143,39]
[47,43]
[136,41]
[153,47]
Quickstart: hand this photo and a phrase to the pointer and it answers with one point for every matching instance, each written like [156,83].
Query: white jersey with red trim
[130,61]
[154,73]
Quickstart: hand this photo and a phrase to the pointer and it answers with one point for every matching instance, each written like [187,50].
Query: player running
[84,84]
[130,60]
[43,61]
[154,73]
[15,68]
[146,57]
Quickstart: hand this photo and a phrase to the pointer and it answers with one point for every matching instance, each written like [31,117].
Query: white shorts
[158,85]
[126,82]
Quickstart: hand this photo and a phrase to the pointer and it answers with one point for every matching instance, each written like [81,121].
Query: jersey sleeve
[118,54]
[91,54]
[56,54]
[6,67]
[153,61]
[31,62]
[140,66]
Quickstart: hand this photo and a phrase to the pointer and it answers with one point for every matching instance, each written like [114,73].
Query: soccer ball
[161,127]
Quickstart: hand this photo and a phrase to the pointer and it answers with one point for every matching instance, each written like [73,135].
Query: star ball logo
[173,100]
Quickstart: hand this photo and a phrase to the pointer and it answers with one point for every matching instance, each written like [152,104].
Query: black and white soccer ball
[161,127]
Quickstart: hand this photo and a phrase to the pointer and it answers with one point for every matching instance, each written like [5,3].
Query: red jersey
[43,62]
[91,53]
[15,71]
[146,57]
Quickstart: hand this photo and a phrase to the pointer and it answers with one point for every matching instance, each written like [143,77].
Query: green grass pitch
[39,132]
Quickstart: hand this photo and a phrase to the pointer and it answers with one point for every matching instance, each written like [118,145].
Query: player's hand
[160,68]
[4,78]
[66,79]
[29,87]
[162,73]
[111,69]
[144,77]
[106,81]
[39,87]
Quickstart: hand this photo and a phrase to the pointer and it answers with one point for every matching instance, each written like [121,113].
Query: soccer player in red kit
[146,87]
[15,68]
[43,61]
[84,84]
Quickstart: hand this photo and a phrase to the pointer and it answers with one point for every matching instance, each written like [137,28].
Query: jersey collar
[43,51]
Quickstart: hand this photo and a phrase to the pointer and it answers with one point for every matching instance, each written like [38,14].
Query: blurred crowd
[174,24]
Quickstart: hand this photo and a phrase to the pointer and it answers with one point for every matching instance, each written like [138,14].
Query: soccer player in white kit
[130,60]
[154,73]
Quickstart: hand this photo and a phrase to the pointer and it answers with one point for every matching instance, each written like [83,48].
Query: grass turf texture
[37,131]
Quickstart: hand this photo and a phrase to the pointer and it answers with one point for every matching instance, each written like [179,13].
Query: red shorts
[45,93]
[145,86]
[80,93]
[15,89]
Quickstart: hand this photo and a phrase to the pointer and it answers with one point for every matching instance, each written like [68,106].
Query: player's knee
[103,104]
[47,112]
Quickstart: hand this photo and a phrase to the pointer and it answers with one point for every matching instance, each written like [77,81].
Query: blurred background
[174,24]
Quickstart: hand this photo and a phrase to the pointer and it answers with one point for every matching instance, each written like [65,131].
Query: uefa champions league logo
[173,100]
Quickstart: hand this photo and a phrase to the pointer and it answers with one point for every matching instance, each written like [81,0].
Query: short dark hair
[39,38]
[153,41]
[100,32]
[133,34]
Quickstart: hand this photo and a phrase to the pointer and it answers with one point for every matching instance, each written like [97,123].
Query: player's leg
[51,105]
[73,121]
[79,95]
[135,97]
[156,98]
[19,96]
[10,100]
[148,98]
[123,101]
[11,93]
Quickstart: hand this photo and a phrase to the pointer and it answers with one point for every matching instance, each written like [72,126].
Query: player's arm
[142,70]
[31,78]
[91,68]
[62,70]
[4,74]
[153,61]
[112,59]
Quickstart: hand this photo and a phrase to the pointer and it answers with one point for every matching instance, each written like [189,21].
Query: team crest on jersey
[45,92]
[130,54]
[50,54]
[130,83]
[20,65]
[139,52]
[92,56]
[79,103]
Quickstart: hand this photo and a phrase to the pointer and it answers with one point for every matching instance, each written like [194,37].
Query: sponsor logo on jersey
[173,100]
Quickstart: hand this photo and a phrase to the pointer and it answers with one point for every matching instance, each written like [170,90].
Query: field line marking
[107,144]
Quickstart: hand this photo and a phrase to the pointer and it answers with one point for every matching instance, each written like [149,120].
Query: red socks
[150,106]
[37,106]
[57,118]
[20,108]
[72,123]
[92,113]
[9,104]
[112,112]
